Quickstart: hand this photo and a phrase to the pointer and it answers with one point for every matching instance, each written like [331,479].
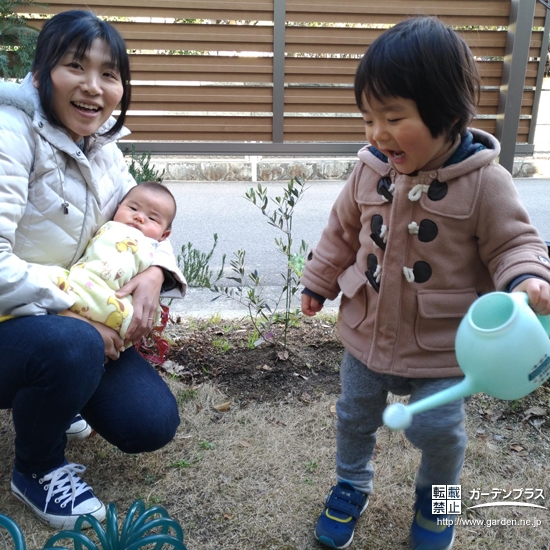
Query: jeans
[51,368]
[439,433]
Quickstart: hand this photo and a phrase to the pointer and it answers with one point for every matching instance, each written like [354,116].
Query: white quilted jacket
[41,168]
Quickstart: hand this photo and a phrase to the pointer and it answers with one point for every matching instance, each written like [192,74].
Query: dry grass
[256,478]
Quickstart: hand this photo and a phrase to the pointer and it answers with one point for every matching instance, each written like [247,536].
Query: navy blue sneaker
[343,507]
[58,497]
[427,533]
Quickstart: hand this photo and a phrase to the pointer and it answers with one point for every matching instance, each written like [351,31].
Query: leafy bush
[17,40]
[195,265]
[141,169]
[264,311]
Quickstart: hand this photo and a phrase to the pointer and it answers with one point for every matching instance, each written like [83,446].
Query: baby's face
[146,210]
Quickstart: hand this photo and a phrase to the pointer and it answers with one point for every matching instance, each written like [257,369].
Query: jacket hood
[467,154]
[17,95]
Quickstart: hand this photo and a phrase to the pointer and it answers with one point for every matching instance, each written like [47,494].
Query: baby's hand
[538,292]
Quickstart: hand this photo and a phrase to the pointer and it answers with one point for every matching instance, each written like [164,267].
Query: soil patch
[224,353]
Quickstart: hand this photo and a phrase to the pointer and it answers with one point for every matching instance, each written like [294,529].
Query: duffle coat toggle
[373,272]
[379,233]
[427,229]
[386,188]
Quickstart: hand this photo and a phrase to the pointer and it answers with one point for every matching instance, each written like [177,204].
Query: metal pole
[516,56]
[279,19]
[540,77]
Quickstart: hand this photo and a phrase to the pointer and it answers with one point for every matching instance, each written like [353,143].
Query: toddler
[426,223]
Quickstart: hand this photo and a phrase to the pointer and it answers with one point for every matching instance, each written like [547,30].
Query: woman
[61,177]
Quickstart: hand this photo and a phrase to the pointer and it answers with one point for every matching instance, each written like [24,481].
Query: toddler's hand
[538,292]
[310,306]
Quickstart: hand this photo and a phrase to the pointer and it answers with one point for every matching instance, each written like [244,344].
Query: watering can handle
[544,319]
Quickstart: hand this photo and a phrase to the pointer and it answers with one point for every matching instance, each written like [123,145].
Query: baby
[120,250]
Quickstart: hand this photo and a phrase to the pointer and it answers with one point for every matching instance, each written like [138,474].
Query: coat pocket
[353,306]
[438,317]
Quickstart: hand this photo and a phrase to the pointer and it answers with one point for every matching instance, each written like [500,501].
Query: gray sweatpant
[440,433]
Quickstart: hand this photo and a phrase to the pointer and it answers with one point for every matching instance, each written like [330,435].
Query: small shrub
[141,169]
[264,312]
[195,265]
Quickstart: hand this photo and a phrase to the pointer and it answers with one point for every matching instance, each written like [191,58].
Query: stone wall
[255,168]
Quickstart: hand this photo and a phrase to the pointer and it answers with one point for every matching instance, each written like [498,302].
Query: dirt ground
[219,353]
[253,458]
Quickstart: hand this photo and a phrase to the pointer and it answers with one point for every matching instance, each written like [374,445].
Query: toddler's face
[395,128]
[147,211]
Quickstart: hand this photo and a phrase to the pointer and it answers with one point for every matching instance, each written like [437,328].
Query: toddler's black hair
[424,60]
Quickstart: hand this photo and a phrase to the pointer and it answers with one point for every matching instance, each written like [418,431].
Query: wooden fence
[276,76]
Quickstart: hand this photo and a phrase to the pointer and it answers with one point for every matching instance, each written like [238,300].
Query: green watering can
[503,348]
[141,528]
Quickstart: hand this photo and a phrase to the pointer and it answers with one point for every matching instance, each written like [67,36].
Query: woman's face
[86,91]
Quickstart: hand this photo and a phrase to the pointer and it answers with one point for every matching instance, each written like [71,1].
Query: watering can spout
[502,347]
[399,417]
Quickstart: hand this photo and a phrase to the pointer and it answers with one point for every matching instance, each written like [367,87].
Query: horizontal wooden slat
[202,98]
[182,36]
[210,128]
[320,70]
[342,100]
[215,128]
[351,129]
[260,10]
[471,12]
[202,68]
[356,41]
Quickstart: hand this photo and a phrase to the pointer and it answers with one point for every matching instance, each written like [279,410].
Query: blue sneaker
[343,507]
[426,532]
[59,496]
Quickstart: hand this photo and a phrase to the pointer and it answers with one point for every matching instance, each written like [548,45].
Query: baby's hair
[78,28]
[424,60]
[157,188]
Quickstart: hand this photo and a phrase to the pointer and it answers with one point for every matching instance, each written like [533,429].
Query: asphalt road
[208,208]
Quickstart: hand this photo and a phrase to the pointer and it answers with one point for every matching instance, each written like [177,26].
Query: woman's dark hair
[78,29]
[424,60]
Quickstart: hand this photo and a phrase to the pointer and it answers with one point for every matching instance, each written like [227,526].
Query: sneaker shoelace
[65,485]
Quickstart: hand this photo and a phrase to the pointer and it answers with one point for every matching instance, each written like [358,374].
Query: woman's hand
[538,292]
[111,339]
[145,290]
